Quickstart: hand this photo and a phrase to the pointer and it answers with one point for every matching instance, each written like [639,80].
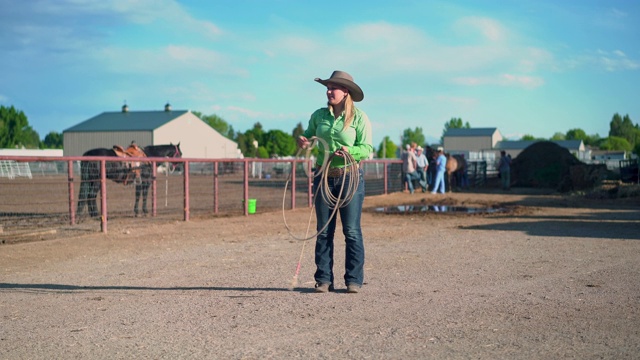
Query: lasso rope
[336,202]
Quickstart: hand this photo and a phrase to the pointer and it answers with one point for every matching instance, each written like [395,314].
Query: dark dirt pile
[548,165]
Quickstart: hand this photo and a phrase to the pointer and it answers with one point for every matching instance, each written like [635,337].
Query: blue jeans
[439,183]
[354,243]
[410,177]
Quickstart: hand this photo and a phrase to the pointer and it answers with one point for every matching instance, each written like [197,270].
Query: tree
[576,134]
[409,136]
[387,149]
[277,142]
[217,123]
[528,137]
[15,130]
[558,136]
[297,131]
[616,143]
[53,140]
[454,123]
[621,127]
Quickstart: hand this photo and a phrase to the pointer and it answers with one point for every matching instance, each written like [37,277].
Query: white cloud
[611,61]
[79,25]
[169,60]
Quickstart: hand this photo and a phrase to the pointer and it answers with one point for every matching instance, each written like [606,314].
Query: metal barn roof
[127,121]
[523,144]
[471,132]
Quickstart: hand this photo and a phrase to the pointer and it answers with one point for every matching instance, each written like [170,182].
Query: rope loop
[351,167]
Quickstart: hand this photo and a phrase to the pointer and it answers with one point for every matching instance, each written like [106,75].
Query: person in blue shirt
[441,166]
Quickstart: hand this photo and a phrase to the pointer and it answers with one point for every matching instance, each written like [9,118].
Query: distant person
[410,168]
[441,166]
[504,167]
[423,167]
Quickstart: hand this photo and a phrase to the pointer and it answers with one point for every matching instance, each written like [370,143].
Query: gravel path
[554,278]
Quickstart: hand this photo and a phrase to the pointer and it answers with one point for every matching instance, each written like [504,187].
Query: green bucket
[252,206]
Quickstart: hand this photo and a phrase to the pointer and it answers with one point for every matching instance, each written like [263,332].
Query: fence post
[154,189]
[215,187]
[186,191]
[72,212]
[385,176]
[246,188]
[103,195]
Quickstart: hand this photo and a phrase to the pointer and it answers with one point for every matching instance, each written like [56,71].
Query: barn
[471,140]
[196,138]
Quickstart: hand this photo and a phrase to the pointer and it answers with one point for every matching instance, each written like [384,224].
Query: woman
[345,129]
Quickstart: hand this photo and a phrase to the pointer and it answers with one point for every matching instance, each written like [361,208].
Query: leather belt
[338,172]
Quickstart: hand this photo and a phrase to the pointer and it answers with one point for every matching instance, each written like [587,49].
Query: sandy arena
[555,277]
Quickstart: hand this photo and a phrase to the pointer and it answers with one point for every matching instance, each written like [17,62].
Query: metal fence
[48,199]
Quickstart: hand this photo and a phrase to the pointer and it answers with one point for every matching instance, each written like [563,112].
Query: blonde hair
[349,111]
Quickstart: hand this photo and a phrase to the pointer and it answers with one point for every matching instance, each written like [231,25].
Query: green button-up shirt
[357,138]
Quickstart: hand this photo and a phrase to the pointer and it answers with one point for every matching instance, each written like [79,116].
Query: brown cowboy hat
[343,79]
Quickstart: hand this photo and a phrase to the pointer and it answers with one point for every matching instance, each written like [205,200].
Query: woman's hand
[303,142]
[341,151]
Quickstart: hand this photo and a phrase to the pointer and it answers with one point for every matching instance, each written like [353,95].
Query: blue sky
[525,67]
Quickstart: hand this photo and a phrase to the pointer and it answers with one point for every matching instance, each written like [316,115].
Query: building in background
[196,138]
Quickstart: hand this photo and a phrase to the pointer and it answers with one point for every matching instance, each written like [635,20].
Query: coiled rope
[335,202]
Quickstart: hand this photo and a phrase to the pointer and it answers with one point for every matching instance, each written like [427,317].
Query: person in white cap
[422,165]
[346,129]
[441,166]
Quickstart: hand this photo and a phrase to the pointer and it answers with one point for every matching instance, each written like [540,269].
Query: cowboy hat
[440,148]
[343,79]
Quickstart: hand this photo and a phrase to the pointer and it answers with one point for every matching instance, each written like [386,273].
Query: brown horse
[456,164]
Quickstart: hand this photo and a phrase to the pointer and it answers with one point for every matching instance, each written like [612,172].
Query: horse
[456,165]
[120,172]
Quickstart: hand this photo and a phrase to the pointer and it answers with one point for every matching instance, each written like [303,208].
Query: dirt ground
[550,277]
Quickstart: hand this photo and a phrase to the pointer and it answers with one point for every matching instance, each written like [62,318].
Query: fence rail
[198,188]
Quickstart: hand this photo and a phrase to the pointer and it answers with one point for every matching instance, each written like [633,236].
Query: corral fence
[629,171]
[198,188]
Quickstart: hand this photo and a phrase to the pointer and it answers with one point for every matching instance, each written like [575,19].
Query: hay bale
[544,165]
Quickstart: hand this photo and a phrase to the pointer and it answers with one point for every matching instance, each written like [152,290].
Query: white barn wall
[467,143]
[197,139]
[77,143]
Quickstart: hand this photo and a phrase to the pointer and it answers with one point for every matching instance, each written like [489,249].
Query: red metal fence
[42,193]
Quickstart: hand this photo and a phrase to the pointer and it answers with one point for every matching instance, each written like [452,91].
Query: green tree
[558,136]
[217,123]
[622,127]
[528,137]
[592,140]
[279,143]
[636,150]
[53,140]
[297,131]
[409,136]
[616,143]
[454,123]
[576,134]
[387,149]
[15,130]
